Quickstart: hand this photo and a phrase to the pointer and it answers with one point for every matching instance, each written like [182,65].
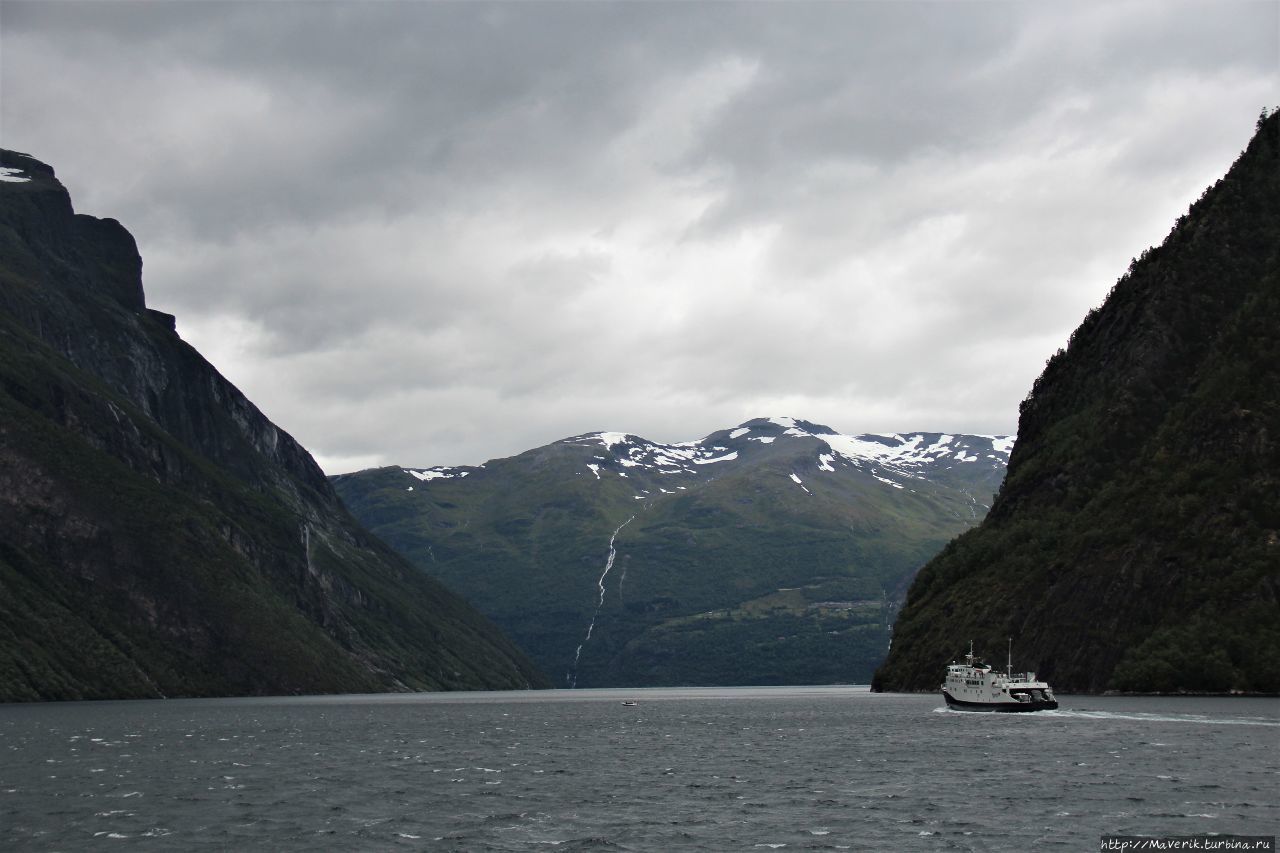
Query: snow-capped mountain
[898,460]
[895,460]
[615,559]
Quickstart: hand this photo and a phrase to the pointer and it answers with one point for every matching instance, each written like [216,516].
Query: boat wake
[1134,716]
[1143,717]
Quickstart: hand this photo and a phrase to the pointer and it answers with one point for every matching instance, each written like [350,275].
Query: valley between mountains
[161,537]
[775,552]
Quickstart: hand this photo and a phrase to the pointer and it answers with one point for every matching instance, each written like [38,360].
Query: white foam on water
[1137,716]
[1144,717]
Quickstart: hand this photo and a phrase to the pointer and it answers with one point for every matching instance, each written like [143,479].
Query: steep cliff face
[1135,543]
[158,535]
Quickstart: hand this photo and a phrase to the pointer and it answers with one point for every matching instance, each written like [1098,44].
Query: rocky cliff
[1135,544]
[158,535]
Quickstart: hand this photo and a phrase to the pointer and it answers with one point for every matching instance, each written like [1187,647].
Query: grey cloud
[432,233]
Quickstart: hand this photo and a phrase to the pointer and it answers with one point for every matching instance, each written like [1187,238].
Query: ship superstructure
[976,686]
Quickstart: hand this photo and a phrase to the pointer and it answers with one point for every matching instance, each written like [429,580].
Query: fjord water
[682,769]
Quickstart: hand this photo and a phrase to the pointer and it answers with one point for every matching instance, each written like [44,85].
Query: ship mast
[1008,665]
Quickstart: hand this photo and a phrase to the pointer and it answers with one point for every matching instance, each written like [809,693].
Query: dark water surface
[683,769]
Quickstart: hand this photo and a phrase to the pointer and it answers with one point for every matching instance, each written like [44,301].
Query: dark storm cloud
[433,233]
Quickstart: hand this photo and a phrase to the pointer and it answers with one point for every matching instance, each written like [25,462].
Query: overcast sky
[438,233]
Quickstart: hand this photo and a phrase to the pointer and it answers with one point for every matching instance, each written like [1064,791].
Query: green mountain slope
[773,553]
[1135,544]
[159,536]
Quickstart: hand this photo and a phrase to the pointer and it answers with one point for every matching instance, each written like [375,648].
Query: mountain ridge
[886,452]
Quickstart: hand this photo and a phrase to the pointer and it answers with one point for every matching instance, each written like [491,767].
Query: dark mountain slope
[158,535]
[1135,544]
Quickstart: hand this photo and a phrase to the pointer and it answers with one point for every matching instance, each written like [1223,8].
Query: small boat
[628,703]
[975,686]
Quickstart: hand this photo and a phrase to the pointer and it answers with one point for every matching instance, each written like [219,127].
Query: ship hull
[999,707]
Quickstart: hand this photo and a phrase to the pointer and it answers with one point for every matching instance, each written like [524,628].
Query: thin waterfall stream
[572,675]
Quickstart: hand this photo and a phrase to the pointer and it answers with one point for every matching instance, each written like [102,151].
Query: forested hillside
[1135,544]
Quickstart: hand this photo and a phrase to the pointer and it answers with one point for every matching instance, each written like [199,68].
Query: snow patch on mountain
[905,454]
[438,473]
[609,439]
[888,481]
[631,451]
[890,457]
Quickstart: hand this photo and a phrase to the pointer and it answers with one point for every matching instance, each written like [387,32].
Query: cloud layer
[421,233]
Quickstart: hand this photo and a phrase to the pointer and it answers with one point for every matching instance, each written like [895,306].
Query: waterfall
[571,677]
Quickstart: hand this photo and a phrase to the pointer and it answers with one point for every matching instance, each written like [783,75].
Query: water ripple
[805,769]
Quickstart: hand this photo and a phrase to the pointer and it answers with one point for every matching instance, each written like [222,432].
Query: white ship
[975,686]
